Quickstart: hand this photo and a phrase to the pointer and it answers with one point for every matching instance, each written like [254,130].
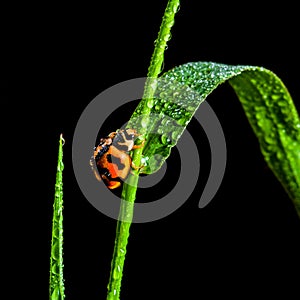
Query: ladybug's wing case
[116,162]
[119,161]
[113,166]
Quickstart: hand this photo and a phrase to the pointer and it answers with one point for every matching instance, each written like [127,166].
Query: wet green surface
[266,102]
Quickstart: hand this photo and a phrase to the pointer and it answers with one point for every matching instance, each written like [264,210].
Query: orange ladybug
[112,159]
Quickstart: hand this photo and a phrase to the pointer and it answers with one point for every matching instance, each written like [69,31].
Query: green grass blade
[129,190]
[275,121]
[56,286]
[266,102]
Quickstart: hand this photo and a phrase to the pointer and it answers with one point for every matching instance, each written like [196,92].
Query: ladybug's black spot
[128,136]
[104,171]
[119,139]
[122,147]
[108,157]
[115,160]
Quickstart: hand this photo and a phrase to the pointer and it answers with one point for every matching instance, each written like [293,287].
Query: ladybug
[112,159]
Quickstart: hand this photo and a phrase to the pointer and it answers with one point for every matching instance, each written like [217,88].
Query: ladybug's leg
[132,163]
[139,146]
[133,166]
[139,168]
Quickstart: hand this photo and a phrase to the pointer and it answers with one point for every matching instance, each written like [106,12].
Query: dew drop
[276,97]
[176,94]
[165,121]
[163,95]
[55,293]
[166,105]
[269,139]
[174,135]
[54,270]
[144,161]
[57,194]
[190,108]
[160,131]
[164,139]
[116,274]
[279,155]
[144,122]
[55,251]
[150,103]
[182,121]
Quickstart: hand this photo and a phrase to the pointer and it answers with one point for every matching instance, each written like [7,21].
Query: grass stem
[130,188]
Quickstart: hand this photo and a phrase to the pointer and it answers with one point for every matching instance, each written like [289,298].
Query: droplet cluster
[266,102]
[275,121]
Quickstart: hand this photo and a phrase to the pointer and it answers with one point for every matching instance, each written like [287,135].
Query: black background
[245,242]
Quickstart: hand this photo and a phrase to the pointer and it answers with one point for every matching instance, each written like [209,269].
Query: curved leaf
[266,102]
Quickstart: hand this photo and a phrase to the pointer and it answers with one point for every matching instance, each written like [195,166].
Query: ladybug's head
[132,133]
[124,140]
